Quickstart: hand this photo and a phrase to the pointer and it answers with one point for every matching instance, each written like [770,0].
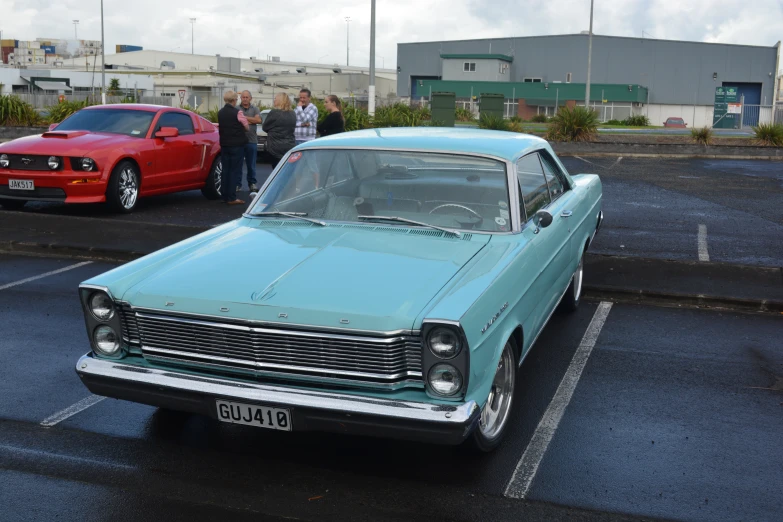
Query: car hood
[355,278]
[65,143]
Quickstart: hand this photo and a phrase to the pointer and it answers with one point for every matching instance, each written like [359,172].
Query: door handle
[566,213]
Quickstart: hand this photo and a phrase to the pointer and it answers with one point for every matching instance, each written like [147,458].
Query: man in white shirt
[306,118]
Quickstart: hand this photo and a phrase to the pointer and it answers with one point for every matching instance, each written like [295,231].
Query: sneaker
[253,188]
[239,188]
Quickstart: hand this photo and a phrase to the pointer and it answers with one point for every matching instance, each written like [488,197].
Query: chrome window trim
[516,224]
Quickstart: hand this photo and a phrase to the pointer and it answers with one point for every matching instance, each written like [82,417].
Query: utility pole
[371,90]
[589,58]
[192,30]
[75,35]
[347,41]
[103,61]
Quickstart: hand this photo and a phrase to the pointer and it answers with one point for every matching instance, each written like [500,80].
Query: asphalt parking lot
[676,415]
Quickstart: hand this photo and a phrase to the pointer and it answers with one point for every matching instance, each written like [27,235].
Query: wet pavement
[677,415]
[653,207]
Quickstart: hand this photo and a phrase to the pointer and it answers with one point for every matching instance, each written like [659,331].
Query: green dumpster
[492,105]
[443,105]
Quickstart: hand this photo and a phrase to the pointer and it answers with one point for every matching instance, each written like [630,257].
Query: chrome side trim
[443,414]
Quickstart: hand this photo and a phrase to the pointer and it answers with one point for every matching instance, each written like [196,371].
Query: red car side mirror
[52,126]
[167,132]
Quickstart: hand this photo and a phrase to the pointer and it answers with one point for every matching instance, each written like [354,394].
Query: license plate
[253,415]
[21,184]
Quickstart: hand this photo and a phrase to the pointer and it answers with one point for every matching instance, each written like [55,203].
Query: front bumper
[311,410]
[60,186]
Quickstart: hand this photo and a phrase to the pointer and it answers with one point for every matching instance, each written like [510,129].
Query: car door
[552,244]
[178,160]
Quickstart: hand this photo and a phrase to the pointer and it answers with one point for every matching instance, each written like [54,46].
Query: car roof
[130,107]
[500,144]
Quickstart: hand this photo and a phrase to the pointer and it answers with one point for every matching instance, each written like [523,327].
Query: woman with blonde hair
[334,123]
[279,126]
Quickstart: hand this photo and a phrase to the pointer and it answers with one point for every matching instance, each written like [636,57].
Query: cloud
[307,31]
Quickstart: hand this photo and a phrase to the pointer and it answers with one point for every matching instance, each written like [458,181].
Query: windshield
[113,121]
[444,190]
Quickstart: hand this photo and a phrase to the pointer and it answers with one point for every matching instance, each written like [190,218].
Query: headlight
[106,340]
[101,306]
[445,379]
[4,161]
[444,343]
[88,164]
[54,162]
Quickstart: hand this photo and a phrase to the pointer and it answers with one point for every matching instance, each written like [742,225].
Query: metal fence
[611,111]
[753,115]
[41,101]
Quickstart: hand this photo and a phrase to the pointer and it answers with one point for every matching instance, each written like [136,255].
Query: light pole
[75,35]
[103,61]
[371,90]
[192,30]
[347,41]
[589,58]
[239,54]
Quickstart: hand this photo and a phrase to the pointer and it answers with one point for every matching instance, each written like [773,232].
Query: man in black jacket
[232,126]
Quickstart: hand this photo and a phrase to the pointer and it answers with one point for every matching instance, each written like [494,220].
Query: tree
[114,87]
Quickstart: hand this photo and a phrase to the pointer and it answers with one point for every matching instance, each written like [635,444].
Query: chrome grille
[390,361]
[130,327]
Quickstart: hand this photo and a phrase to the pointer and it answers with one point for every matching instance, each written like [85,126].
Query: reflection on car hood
[356,278]
[76,144]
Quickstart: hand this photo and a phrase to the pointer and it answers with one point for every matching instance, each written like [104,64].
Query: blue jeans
[250,152]
[232,171]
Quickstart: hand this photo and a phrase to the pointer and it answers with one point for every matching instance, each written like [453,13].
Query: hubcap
[578,279]
[128,188]
[495,412]
[218,176]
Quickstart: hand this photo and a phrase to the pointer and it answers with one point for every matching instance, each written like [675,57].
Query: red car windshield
[113,121]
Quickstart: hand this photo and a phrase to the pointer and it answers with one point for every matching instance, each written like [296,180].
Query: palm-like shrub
[539,118]
[573,124]
[702,136]
[493,122]
[638,120]
[212,115]
[769,134]
[16,112]
[59,112]
[463,114]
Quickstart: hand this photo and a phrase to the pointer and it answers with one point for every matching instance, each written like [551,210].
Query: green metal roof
[537,93]
[502,57]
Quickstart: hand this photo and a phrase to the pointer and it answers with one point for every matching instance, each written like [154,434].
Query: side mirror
[52,126]
[167,132]
[542,219]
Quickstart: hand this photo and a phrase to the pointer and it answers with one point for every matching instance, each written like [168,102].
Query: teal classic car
[383,282]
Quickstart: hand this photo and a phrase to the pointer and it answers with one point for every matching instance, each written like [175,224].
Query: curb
[665,156]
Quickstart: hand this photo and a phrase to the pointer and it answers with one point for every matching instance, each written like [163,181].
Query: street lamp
[239,54]
[192,29]
[347,41]
[589,58]
[75,35]
[103,60]
[371,90]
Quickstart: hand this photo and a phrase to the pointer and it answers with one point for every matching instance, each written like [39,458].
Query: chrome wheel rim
[128,188]
[578,279]
[496,411]
[219,176]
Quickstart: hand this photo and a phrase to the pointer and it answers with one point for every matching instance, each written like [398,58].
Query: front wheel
[573,295]
[211,189]
[13,204]
[495,415]
[122,194]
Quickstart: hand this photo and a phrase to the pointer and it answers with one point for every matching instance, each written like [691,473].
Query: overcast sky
[313,31]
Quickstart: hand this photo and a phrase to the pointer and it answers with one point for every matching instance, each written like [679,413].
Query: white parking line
[704,254]
[610,167]
[526,469]
[72,410]
[47,274]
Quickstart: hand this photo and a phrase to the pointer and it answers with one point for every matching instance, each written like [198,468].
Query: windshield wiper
[412,222]
[300,215]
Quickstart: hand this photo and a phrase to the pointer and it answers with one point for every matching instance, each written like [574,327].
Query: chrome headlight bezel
[445,369]
[460,360]
[92,305]
[88,165]
[437,344]
[93,321]
[54,162]
[5,161]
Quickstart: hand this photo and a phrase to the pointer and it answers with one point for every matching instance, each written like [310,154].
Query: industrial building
[675,78]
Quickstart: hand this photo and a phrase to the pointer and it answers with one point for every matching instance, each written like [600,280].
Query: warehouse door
[750,94]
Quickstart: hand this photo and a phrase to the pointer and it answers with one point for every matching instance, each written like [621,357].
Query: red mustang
[113,153]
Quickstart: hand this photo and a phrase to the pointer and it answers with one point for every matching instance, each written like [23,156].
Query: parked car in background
[677,123]
[406,275]
[260,132]
[112,153]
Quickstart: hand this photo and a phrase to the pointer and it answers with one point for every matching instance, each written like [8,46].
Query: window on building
[167,94]
[503,68]
[568,77]
[532,80]
[469,67]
